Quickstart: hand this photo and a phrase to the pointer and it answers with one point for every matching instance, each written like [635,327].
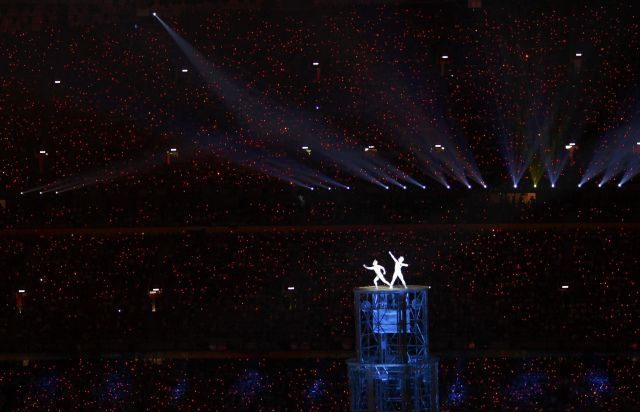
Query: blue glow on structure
[456,393]
[115,390]
[598,383]
[316,390]
[526,386]
[248,386]
[392,370]
[178,391]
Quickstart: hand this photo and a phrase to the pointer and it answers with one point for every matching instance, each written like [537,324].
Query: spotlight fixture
[578,54]
[185,70]
[316,63]
[291,288]
[57,81]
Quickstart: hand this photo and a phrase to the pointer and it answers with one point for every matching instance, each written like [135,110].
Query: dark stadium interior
[185,231]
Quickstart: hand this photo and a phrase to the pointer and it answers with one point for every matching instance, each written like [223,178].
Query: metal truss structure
[392,370]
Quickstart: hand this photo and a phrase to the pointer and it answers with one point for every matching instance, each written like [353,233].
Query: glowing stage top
[395,289]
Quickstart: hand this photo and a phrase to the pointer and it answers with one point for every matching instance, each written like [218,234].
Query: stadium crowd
[105,103]
[491,288]
[537,383]
[108,130]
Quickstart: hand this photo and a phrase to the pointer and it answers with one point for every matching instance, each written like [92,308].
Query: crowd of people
[550,289]
[96,109]
[530,383]
[154,201]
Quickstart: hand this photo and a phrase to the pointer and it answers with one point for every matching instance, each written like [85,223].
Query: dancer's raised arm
[393,257]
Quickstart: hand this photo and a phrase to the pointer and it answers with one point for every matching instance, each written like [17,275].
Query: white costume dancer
[397,273]
[380,272]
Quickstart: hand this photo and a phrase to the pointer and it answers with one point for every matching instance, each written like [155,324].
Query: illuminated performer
[380,272]
[397,273]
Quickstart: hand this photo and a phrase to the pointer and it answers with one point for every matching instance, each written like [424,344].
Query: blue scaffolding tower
[392,370]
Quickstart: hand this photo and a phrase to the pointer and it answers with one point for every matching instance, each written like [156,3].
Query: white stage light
[565,286]
[316,63]
[185,70]
[56,81]
[445,57]
[578,54]
[291,288]
[21,290]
